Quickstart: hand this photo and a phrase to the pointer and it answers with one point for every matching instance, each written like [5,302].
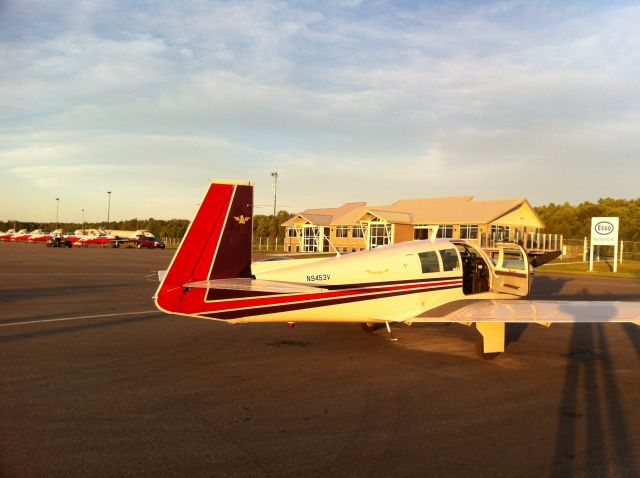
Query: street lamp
[274,175]
[57,209]
[108,208]
[82,220]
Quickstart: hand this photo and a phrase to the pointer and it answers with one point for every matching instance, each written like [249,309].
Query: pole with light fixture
[108,208]
[275,218]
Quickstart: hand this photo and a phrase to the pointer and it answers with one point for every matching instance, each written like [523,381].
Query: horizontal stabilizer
[542,259]
[254,285]
[540,311]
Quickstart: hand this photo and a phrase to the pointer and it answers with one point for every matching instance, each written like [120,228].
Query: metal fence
[579,248]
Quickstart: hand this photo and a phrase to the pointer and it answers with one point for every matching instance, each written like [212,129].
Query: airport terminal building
[357,226]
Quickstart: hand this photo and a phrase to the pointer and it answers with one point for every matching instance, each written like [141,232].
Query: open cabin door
[511,271]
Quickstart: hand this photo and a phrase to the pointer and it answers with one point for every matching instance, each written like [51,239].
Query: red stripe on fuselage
[275,309]
[193,301]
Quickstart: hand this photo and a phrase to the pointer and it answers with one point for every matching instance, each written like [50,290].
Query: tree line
[573,222]
[263,226]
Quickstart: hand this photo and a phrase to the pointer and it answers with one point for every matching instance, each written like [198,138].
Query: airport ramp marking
[84,317]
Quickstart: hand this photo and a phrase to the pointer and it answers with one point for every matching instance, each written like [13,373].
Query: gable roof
[447,210]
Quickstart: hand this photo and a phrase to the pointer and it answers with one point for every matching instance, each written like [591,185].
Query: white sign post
[604,232]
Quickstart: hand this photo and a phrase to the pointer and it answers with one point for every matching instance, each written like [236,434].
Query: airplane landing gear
[491,343]
[370,326]
[482,353]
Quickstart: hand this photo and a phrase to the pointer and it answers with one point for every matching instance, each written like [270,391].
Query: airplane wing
[540,311]
[490,316]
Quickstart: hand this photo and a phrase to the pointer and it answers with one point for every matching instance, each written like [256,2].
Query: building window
[469,231]
[310,239]
[357,231]
[342,231]
[292,232]
[450,260]
[379,235]
[429,262]
[501,233]
[420,233]
[445,231]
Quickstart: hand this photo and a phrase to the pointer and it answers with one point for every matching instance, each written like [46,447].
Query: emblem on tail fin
[241,219]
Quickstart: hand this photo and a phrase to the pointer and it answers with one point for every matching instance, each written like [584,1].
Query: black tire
[370,326]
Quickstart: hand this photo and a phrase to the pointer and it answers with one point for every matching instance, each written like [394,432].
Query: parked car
[149,242]
[59,241]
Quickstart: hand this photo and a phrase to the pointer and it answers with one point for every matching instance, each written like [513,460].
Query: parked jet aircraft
[6,236]
[21,235]
[99,237]
[212,277]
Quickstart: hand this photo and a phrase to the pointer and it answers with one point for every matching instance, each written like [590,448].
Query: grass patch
[604,268]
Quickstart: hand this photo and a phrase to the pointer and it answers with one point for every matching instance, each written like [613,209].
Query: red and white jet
[21,235]
[98,237]
[6,236]
[212,277]
[39,236]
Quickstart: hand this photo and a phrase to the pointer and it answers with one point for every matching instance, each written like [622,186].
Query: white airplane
[211,276]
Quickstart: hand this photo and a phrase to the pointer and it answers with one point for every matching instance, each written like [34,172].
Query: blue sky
[348,100]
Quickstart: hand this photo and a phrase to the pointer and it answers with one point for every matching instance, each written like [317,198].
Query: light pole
[275,218]
[108,208]
[57,209]
[82,220]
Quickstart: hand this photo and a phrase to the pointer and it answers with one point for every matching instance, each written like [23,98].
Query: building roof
[448,210]
[455,210]
[350,212]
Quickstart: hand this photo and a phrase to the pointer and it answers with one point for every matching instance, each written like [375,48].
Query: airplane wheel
[370,326]
[139,246]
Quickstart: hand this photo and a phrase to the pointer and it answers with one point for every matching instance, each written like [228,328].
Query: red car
[149,242]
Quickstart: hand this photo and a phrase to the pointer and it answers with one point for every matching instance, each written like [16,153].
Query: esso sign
[604,228]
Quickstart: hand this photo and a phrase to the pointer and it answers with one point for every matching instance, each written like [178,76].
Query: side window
[450,260]
[429,262]
[513,259]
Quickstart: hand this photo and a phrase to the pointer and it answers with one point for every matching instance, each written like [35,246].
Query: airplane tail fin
[217,244]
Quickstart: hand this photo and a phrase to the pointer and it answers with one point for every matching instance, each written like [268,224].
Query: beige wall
[402,232]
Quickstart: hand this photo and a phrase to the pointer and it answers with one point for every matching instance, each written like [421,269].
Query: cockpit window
[450,260]
[429,262]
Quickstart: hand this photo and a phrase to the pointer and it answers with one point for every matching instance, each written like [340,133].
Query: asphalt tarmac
[115,388]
